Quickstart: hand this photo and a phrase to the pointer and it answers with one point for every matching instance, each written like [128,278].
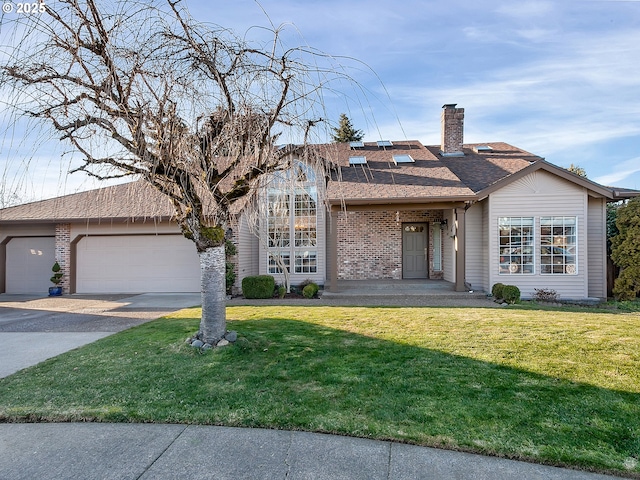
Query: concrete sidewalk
[157,452]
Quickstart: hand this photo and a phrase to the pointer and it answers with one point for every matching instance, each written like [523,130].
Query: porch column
[333,251]
[460,250]
[63,254]
[3,265]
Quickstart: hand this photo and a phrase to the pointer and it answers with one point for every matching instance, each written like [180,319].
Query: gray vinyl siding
[475,247]
[448,248]
[536,195]
[248,245]
[486,283]
[597,248]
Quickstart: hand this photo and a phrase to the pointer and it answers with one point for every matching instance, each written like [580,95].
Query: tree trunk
[213,324]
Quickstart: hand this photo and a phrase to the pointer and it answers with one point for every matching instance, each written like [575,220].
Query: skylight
[384,143]
[403,159]
[356,144]
[360,160]
[483,149]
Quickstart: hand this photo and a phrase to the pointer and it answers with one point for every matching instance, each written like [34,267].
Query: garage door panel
[136,264]
[28,265]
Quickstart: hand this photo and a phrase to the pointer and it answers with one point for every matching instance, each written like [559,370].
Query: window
[558,245]
[292,220]
[306,262]
[278,221]
[276,259]
[305,217]
[436,235]
[516,245]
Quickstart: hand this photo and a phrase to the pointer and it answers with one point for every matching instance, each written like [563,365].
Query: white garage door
[29,262]
[137,264]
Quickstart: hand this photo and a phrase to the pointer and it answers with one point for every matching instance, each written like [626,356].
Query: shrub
[627,285]
[496,290]
[282,291]
[229,273]
[304,283]
[310,290]
[258,286]
[57,274]
[546,295]
[511,294]
[625,252]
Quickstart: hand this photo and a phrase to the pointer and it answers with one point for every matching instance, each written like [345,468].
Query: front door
[414,250]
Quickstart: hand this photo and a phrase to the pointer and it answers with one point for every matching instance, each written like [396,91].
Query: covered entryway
[136,263]
[28,264]
[414,250]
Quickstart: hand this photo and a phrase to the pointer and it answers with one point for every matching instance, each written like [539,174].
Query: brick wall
[370,243]
[63,253]
[452,133]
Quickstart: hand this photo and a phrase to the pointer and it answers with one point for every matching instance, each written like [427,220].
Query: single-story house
[469,214]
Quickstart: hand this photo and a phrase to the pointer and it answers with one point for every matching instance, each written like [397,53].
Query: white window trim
[566,265]
[533,254]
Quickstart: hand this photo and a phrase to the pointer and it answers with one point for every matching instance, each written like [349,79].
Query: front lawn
[556,386]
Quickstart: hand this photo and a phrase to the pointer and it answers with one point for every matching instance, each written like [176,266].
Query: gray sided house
[470,215]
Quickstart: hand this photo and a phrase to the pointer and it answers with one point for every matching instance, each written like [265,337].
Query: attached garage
[117,239]
[136,264]
[28,264]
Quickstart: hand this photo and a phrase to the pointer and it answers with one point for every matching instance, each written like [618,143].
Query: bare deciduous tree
[269,216]
[141,89]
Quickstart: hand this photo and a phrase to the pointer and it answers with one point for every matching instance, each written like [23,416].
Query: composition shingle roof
[127,201]
[431,177]
[480,170]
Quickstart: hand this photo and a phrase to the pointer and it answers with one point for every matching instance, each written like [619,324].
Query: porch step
[396,288]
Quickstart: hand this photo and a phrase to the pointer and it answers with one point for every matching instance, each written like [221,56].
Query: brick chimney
[452,131]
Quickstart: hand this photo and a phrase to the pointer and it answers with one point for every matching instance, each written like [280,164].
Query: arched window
[292,222]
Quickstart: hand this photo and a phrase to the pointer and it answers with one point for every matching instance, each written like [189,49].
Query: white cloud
[588,91]
[622,172]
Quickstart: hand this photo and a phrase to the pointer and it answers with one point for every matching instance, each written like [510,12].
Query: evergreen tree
[626,251]
[345,132]
[578,170]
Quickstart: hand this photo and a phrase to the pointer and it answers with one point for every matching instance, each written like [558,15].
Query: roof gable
[594,188]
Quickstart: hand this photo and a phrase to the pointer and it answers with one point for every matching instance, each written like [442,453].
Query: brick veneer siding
[452,132]
[370,243]
[63,253]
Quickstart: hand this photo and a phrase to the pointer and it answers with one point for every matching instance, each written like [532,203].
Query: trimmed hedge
[258,286]
[310,290]
[496,290]
[511,294]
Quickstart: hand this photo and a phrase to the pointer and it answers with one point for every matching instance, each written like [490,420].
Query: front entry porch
[412,241]
[398,288]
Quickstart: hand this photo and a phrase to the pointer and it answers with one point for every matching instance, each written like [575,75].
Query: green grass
[559,386]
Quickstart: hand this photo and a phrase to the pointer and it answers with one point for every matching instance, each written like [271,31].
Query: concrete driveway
[33,328]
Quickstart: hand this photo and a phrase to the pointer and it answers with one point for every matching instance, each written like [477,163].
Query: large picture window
[516,245]
[558,248]
[292,220]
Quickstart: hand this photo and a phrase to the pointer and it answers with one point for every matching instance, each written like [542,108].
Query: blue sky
[560,79]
